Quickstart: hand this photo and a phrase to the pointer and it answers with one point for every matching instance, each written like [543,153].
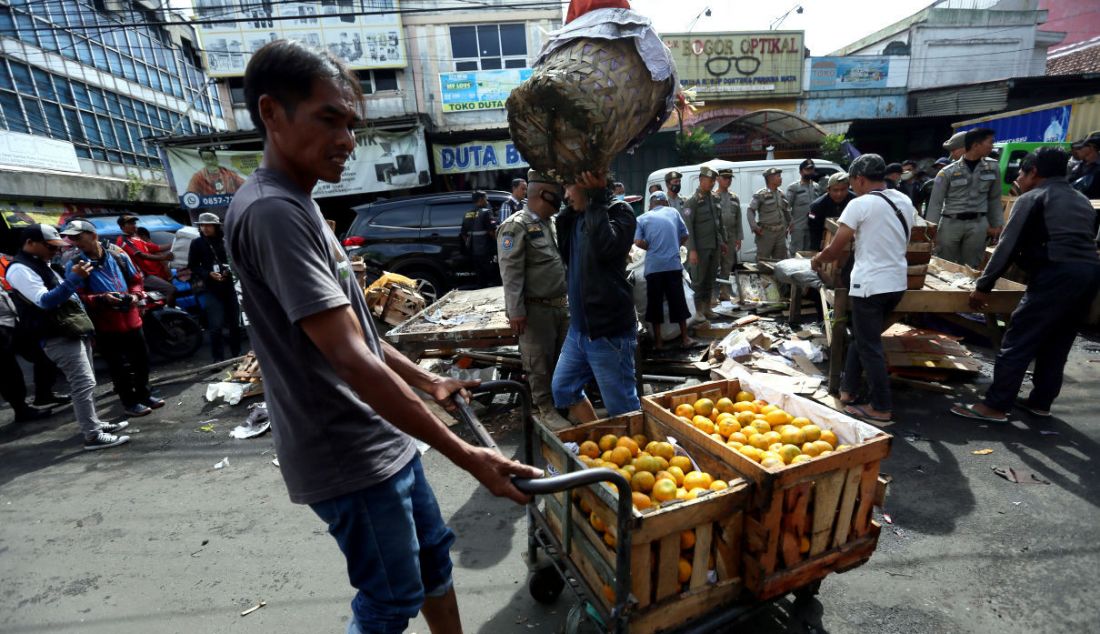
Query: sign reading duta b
[477,156]
[739,65]
[205,179]
[480,90]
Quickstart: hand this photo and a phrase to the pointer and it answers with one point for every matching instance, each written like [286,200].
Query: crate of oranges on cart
[815,471]
[685,531]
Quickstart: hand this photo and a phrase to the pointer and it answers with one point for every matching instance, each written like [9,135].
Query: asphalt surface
[150,537]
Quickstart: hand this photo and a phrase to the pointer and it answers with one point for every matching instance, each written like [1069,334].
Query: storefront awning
[781,126]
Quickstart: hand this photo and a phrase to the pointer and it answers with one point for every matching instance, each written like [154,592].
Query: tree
[694,146]
[833,149]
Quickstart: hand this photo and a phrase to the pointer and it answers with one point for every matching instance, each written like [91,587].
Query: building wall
[1078,19]
[845,108]
[71,72]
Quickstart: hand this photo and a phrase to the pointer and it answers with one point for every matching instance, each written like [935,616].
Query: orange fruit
[664,490]
[713,415]
[678,474]
[774,447]
[643,481]
[800,421]
[596,522]
[760,441]
[680,461]
[791,435]
[647,463]
[733,444]
[704,425]
[777,417]
[609,593]
[718,485]
[739,437]
[745,418]
[665,475]
[842,447]
[630,444]
[685,571]
[626,474]
[664,450]
[650,447]
[744,396]
[621,455]
[662,464]
[822,446]
[700,420]
[810,449]
[752,453]
[728,426]
[811,432]
[641,501]
[695,479]
[687,539]
[606,456]
[800,459]
[724,405]
[695,493]
[685,419]
[681,494]
[607,442]
[788,453]
[586,461]
[630,468]
[685,409]
[743,406]
[718,437]
[828,436]
[762,426]
[590,449]
[641,440]
[609,539]
[772,462]
[703,407]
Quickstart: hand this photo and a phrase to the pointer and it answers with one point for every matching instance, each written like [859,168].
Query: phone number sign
[743,64]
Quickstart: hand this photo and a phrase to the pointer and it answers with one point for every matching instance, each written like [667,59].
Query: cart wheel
[807,592]
[545,585]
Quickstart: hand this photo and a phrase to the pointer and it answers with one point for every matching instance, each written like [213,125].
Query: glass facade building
[86,76]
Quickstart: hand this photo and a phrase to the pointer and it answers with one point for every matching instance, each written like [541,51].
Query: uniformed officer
[672,188]
[966,202]
[799,197]
[706,240]
[478,235]
[770,217]
[731,221]
[535,289]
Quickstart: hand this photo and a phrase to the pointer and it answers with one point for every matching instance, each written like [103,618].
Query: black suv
[417,236]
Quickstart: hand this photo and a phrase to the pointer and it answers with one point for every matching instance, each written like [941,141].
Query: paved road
[151,538]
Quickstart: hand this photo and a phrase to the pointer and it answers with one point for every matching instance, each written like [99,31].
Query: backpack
[5,262]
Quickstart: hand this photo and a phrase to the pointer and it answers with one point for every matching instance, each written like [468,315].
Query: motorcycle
[170,332]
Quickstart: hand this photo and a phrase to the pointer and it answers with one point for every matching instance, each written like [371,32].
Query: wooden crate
[918,252]
[827,501]
[393,303]
[659,601]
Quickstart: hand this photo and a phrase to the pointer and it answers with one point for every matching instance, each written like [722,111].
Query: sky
[828,24]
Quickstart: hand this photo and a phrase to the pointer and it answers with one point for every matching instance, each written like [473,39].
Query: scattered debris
[275,461]
[982,452]
[207,426]
[886,516]
[1019,476]
[254,608]
[223,463]
[257,424]
[1048,432]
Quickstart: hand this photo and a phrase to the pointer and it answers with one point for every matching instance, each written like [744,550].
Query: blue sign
[844,73]
[481,90]
[477,156]
[1049,125]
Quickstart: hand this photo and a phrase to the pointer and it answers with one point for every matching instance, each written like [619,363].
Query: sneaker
[103,440]
[137,409]
[154,403]
[112,428]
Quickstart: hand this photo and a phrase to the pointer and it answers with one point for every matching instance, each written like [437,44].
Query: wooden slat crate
[826,501]
[660,602]
[393,303]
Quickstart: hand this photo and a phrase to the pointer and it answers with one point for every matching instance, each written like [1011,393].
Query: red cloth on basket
[577,8]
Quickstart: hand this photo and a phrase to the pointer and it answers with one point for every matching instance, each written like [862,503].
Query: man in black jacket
[208,262]
[595,234]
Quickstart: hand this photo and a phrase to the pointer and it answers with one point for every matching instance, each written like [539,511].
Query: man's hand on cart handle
[443,388]
[496,471]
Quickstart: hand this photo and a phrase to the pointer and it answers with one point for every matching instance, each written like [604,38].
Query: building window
[375,81]
[489,46]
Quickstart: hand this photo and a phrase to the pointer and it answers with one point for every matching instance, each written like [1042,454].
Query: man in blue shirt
[661,232]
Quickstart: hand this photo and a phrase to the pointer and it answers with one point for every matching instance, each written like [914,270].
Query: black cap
[894,168]
[673,175]
[870,166]
[943,160]
[807,164]
[1093,140]
[478,195]
[43,233]
[126,218]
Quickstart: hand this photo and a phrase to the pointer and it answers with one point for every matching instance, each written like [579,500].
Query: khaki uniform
[799,197]
[731,220]
[965,204]
[534,287]
[706,236]
[676,203]
[769,211]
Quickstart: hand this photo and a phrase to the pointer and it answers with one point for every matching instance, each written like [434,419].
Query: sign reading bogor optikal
[748,64]
[477,156]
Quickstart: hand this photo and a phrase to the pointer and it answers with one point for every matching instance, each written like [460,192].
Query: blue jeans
[609,360]
[396,545]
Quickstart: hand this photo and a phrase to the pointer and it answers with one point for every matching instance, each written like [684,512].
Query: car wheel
[428,283]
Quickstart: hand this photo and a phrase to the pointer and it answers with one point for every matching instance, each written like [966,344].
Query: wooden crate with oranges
[686,523]
[816,476]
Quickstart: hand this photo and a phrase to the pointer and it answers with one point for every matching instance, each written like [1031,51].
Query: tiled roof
[1083,57]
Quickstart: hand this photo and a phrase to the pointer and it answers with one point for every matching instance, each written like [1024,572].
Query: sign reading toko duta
[480,90]
[207,179]
[739,65]
[477,156]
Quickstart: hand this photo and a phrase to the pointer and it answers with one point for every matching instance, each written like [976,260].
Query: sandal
[968,411]
[858,412]
[1023,404]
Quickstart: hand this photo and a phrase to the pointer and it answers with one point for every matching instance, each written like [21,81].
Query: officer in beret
[956,145]
[966,202]
[706,240]
[770,217]
[534,289]
[672,188]
[731,220]
[799,197]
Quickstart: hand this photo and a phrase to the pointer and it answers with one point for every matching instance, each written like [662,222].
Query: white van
[748,176]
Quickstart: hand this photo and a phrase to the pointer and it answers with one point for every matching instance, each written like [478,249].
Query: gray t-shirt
[291,266]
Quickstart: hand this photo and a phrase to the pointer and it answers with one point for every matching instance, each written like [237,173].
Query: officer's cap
[956,142]
[942,161]
[535,176]
[807,164]
[208,218]
[671,176]
[706,172]
[772,171]
[870,166]
[725,172]
[838,178]
[1093,140]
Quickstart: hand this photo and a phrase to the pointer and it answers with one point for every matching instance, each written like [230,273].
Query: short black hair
[908,162]
[286,70]
[142,231]
[1049,162]
[516,182]
[975,136]
[478,195]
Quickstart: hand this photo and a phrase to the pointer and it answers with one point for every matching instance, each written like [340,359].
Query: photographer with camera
[210,264]
[112,293]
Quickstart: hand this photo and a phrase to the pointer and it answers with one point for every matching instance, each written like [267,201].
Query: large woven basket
[584,104]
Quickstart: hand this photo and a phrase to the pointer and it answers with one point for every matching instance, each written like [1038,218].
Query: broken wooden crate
[715,518]
[394,303]
[825,502]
